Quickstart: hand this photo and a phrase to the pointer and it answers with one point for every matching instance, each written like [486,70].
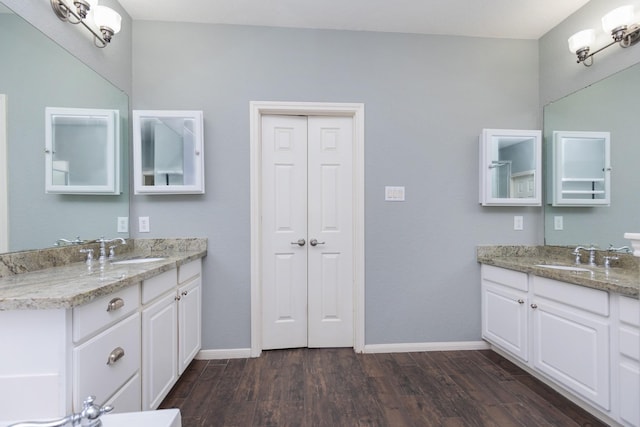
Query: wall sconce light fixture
[619,23]
[103,22]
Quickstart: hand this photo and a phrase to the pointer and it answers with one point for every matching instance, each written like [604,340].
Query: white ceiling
[519,19]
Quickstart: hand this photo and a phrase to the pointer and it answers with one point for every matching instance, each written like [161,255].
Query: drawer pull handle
[115,304]
[116,354]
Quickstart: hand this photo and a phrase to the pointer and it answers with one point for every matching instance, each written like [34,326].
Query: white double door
[307,231]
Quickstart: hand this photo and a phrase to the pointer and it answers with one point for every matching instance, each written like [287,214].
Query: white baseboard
[240,353]
[231,353]
[426,346]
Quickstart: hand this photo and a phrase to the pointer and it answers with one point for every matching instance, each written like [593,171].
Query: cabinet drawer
[158,285]
[189,270]
[91,373]
[502,276]
[592,300]
[630,311]
[92,317]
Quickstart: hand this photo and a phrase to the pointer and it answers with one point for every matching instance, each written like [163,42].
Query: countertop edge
[77,285]
[614,280]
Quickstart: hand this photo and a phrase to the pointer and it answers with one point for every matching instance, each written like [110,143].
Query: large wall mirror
[606,106]
[38,73]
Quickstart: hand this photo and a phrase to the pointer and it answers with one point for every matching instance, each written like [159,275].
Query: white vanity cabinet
[504,309]
[570,326]
[583,341]
[52,359]
[170,329]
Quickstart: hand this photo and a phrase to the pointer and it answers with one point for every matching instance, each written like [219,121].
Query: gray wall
[426,100]
[112,62]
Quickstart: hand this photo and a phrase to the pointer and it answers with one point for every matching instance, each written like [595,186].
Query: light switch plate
[123,224]
[143,224]
[518,222]
[558,223]
[394,194]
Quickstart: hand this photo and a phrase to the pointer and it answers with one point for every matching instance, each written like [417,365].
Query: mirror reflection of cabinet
[82,151]
[510,165]
[581,169]
[168,152]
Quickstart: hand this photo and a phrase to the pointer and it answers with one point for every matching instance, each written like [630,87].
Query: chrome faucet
[592,254]
[88,417]
[103,248]
[577,254]
[610,250]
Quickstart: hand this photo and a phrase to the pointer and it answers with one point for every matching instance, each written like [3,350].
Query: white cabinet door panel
[504,319]
[159,355]
[190,319]
[573,349]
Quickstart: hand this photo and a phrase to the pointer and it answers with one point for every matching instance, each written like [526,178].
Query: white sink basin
[137,261]
[159,418]
[563,267]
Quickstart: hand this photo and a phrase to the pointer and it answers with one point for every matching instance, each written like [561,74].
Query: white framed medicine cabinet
[581,173]
[82,151]
[168,155]
[510,167]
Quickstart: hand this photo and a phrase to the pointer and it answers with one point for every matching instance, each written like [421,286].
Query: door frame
[356,112]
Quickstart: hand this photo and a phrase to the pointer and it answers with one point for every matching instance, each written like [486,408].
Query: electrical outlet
[143,224]
[518,222]
[123,224]
[558,223]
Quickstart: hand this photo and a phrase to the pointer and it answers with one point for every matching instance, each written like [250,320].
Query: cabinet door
[190,315]
[572,347]
[504,318]
[159,350]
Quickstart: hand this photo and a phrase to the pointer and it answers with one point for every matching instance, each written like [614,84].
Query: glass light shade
[106,17]
[584,38]
[618,17]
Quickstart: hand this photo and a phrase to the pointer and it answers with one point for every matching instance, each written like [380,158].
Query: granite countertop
[76,283]
[622,278]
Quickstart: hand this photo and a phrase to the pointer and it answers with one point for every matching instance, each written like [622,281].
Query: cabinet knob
[184,293]
[115,304]
[520,301]
[534,306]
[177,297]
[115,355]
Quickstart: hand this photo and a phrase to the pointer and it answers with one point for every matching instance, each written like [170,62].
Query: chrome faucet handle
[112,252]
[91,412]
[608,259]
[577,254]
[89,253]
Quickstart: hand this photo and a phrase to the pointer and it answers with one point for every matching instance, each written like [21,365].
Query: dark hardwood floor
[337,387]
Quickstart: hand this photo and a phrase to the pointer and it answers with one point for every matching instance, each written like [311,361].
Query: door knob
[300,242]
[314,242]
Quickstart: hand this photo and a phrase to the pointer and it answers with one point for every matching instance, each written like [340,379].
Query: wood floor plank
[337,387]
